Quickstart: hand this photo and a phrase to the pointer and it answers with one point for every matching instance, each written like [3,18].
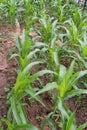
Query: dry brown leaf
[58,42]
[3,63]
[18,28]
[33,34]
[38,24]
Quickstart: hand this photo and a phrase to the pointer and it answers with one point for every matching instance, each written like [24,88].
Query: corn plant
[29,9]
[19,126]
[25,56]
[47,29]
[78,52]
[51,39]
[66,85]
[23,85]
[12,10]
[50,53]
[11,7]
[80,19]
[63,10]
[66,88]
[58,10]
[77,29]
[74,34]
[83,44]
[39,6]
[29,12]
[67,118]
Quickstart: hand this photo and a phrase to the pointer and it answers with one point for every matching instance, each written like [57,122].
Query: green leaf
[49,121]
[71,122]
[48,87]
[42,72]
[75,92]
[10,125]
[62,71]
[31,54]
[40,44]
[63,110]
[70,70]
[22,113]
[66,81]
[15,110]
[18,44]
[28,67]
[82,73]
[23,37]
[83,126]
[14,55]
[44,23]
[84,51]
[56,59]
[31,92]
[25,126]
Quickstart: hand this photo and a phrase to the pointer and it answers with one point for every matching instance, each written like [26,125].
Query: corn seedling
[66,85]
[58,10]
[83,44]
[67,88]
[80,19]
[47,29]
[24,81]
[67,118]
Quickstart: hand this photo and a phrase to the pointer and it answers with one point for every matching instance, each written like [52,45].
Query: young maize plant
[23,85]
[67,88]
[83,45]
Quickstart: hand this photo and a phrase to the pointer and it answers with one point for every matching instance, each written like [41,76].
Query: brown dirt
[37,113]
[8,76]
[80,106]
